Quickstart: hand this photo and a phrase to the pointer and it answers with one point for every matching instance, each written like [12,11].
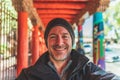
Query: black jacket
[80,69]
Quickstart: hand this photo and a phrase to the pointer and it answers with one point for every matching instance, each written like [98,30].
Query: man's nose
[59,40]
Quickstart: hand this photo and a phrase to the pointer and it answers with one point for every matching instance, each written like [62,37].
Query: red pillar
[42,44]
[22,48]
[35,44]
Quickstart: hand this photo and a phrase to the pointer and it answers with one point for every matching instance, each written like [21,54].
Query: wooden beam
[55,15]
[59,6]
[61,11]
[60,1]
[45,21]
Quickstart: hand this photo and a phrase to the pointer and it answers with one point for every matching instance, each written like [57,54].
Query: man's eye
[65,37]
[52,36]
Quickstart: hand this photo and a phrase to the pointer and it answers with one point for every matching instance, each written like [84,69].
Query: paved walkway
[113,67]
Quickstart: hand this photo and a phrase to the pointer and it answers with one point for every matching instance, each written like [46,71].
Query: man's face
[59,43]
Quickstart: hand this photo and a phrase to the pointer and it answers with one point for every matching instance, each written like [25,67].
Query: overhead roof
[42,11]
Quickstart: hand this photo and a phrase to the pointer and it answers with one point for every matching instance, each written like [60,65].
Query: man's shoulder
[76,54]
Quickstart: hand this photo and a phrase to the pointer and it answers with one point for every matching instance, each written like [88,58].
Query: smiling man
[61,62]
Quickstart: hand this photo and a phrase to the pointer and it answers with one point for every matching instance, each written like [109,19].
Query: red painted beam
[60,0]
[60,11]
[45,21]
[55,15]
[59,6]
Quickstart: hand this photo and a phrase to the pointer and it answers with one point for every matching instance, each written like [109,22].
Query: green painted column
[98,40]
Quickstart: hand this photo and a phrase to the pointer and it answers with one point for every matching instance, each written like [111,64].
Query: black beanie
[59,22]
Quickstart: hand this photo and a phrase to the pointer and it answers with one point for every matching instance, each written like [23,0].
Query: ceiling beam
[45,21]
[56,15]
[60,0]
[59,6]
[68,11]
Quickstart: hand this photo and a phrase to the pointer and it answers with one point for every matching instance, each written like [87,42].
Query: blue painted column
[80,40]
[80,34]
[98,40]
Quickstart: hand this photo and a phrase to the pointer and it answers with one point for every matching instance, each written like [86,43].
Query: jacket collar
[40,68]
[78,60]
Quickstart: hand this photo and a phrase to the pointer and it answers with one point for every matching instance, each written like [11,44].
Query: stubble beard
[62,59]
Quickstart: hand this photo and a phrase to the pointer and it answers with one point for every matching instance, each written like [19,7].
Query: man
[61,62]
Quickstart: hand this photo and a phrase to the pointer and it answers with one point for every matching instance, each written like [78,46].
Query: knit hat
[59,22]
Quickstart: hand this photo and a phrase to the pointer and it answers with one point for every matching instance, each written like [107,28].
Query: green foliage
[112,17]
[8,17]
[3,48]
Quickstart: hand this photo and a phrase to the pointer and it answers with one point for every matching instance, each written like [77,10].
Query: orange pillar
[42,44]
[35,44]
[22,48]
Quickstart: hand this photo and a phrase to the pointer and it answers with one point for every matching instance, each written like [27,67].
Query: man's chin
[60,60]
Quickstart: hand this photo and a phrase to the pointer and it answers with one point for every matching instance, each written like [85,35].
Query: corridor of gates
[22,25]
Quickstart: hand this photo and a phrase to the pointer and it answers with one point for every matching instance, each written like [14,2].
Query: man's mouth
[59,48]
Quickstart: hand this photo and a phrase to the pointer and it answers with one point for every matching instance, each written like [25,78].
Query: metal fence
[8,41]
